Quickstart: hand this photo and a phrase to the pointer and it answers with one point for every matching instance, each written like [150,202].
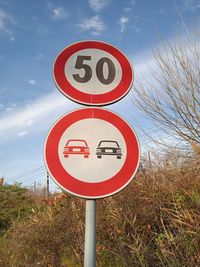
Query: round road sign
[92,153]
[93,73]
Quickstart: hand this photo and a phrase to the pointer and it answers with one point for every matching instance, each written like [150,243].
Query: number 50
[99,70]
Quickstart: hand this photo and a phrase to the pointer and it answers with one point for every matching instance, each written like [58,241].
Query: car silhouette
[76,147]
[108,147]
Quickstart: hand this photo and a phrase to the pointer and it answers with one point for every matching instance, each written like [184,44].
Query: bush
[153,222]
[14,204]
[46,238]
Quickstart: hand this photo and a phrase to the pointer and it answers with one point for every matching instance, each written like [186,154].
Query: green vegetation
[14,204]
[154,222]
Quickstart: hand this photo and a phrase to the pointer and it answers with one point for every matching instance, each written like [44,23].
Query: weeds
[154,222]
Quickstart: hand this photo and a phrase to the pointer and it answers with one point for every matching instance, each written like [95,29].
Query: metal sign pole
[90,234]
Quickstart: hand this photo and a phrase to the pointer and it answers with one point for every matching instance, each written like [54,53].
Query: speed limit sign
[93,73]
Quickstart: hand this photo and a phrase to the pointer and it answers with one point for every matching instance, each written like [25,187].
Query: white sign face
[94,132]
[92,153]
[93,73]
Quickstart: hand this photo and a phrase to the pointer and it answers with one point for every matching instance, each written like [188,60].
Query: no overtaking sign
[92,153]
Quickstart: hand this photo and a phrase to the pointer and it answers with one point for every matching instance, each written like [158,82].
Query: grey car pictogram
[110,148]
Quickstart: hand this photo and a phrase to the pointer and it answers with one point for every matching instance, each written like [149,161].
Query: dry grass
[154,222]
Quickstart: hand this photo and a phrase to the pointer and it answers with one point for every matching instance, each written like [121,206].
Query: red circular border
[91,99]
[85,189]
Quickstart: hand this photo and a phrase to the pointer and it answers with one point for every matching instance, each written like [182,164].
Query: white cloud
[39,56]
[135,28]
[20,134]
[97,5]
[33,111]
[10,108]
[127,9]
[5,20]
[123,22]
[94,23]
[96,33]
[191,5]
[12,39]
[145,66]
[29,122]
[32,82]
[59,13]
[35,115]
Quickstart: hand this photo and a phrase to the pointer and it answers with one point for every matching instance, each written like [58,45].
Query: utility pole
[47,185]
[1,181]
[35,188]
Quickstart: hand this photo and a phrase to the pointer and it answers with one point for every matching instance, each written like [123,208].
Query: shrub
[153,222]
[14,204]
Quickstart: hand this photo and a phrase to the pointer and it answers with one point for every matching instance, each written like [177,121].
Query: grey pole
[90,234]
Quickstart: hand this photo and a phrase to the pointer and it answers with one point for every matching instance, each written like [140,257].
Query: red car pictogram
[76,147]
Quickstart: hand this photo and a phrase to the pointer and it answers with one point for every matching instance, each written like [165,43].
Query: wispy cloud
[123,23]
[12,39]
[10,108]
[127,9]
[97,5]
[29,122]
[39,115]
[191,5]
[20,134]
[59,13]
[34,116]
[133,2]
[144,66]
[39,56]
[32,82]
[5,20]
[93,24]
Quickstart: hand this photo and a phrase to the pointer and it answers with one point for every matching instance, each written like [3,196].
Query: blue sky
[32,33]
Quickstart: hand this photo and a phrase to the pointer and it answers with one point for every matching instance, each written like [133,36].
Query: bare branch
[175,103]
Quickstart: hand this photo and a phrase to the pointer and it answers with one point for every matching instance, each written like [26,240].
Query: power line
[28,173]
[34,177]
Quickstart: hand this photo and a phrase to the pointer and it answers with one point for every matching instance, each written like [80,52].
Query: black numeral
[111,70]
[99,70]
[80,65]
